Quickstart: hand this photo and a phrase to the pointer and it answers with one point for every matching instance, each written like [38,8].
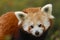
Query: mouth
[37,35]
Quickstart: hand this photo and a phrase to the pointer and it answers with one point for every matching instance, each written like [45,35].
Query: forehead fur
[35,17]
[32,10]
[35,14]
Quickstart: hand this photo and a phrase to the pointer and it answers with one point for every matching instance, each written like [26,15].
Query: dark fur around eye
[31,26]
[39,25]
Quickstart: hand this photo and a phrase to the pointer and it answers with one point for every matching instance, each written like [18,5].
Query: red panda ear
[20,16]
[48,9]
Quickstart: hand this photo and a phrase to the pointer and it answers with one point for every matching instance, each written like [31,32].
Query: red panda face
[35,20]
[36,24]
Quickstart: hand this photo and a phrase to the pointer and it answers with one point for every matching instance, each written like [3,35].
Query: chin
[28,36]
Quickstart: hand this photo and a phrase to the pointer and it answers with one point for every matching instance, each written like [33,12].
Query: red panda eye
[39,25]
[31,26]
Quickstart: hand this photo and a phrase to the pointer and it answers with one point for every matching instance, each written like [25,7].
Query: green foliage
[17,5]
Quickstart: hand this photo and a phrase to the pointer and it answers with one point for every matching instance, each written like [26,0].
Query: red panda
[29,24]
[35,23]
[8,26]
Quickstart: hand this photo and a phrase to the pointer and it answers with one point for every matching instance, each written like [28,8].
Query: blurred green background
[17,5]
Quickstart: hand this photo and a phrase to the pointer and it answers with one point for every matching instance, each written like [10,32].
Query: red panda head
[35,20]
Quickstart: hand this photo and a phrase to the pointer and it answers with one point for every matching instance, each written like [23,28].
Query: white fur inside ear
[48,10]
[18,13]
[49,6]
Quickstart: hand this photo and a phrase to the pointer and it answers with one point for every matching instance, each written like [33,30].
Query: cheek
[46,24]
[32,31]
[25,28]
[40,30]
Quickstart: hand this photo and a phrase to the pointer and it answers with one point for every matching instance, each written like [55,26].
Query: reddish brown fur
[8,25]
[8,22]
[31,10]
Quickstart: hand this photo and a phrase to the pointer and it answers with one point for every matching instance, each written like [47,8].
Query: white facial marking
[26,24]
[36,28]
[46,23]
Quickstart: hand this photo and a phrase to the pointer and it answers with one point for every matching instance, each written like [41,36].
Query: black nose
[36,33]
